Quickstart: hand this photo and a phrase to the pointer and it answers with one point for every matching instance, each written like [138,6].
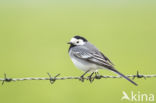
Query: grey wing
[106,58]
[97,52]
[91,56]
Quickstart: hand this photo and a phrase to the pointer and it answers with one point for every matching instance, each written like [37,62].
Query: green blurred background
[33,37]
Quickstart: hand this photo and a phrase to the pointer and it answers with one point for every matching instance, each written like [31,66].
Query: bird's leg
[82,76]
[90,77]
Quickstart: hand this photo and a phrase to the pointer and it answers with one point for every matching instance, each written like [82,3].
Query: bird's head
[77,40]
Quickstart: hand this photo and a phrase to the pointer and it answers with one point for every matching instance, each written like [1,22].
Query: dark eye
[77,42]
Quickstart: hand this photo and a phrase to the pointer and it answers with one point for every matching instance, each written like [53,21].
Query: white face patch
[77,41]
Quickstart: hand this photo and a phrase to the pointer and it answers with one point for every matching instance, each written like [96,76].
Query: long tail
[114,70]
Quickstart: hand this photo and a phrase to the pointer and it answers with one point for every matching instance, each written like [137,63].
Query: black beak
[69,43]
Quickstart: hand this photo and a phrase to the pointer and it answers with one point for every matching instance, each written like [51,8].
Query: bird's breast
[84,65]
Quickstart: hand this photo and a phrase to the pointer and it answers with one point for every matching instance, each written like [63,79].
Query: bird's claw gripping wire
[98,76]
[6,79]
[82,78]
[138,76]
[90,78]
[52,79]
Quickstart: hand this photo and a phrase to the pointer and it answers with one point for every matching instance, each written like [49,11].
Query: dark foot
[82,78]
[97,76]
[90,78]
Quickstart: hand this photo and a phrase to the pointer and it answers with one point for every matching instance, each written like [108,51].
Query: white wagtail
[88,58]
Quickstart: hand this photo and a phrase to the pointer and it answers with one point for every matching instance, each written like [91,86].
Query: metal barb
[6,79]
[52,79]
[138,76]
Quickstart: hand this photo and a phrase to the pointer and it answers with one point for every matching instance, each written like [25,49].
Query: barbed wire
[53,79]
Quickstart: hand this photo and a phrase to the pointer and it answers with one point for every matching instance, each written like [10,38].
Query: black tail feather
[122,75]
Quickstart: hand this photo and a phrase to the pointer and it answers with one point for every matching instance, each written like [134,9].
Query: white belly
[85,66]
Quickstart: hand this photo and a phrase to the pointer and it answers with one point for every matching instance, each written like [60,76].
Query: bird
[86,57]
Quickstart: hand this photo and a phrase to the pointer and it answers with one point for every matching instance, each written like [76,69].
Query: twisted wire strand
[53,79]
